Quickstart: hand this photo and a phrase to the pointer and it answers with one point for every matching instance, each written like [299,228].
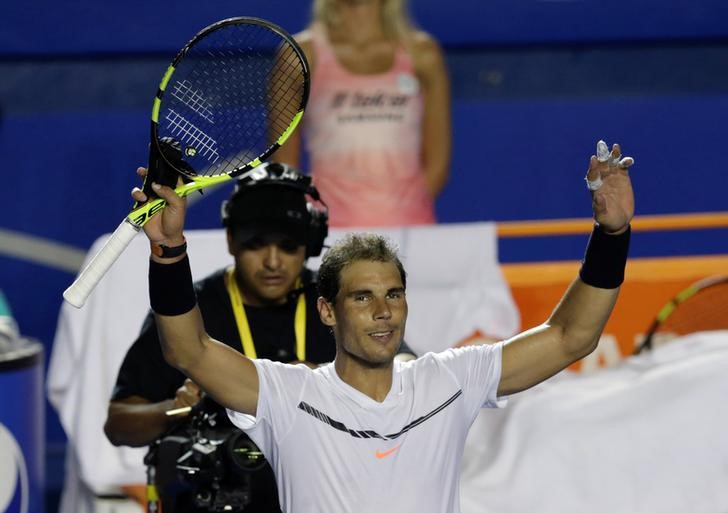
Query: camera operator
[264,306]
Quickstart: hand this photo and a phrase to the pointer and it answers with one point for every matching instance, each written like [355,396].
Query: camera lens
[243,453]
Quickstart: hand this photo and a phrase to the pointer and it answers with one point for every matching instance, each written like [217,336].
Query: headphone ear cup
[318,230]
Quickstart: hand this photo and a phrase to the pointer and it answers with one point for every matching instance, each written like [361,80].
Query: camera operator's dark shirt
[145,373]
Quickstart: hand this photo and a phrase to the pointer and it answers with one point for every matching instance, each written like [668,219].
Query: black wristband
[605,259]
[170,287]
[163,251]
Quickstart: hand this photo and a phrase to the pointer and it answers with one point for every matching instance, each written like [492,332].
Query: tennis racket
[229,99]
[700,307]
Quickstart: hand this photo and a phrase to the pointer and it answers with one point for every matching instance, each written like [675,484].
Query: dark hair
[275,197]
[354,247]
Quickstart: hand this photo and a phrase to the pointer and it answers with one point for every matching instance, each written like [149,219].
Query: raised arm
[573,329]
[226,375]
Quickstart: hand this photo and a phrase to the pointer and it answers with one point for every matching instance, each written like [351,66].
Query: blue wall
[42,27]
[535,84]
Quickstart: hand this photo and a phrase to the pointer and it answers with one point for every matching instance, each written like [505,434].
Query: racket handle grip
[90,276]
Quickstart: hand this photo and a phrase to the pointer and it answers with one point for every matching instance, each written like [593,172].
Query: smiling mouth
[382,336]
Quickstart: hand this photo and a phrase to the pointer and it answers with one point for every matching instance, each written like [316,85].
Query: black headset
[283,175]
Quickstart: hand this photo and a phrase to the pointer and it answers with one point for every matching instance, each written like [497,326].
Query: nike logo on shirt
[383,454]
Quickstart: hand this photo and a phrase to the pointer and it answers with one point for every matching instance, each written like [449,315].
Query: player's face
[369,314]
[267,268]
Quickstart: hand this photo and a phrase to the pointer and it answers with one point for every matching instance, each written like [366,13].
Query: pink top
[363,136]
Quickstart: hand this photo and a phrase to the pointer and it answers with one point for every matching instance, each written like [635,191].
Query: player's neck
[370,380]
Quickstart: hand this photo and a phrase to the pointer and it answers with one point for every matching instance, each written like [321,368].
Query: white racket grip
[87,280]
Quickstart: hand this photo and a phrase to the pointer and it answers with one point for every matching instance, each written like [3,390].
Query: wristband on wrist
[162,251]
[605,259]
[170,287]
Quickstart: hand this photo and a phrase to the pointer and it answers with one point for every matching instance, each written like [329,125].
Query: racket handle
[87,280]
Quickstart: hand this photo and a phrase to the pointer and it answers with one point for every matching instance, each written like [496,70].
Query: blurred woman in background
[377,125]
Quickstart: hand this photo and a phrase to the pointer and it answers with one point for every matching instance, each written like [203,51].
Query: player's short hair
[352,248]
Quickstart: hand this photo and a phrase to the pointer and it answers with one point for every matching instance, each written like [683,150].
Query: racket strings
[285,92]
[232,97]
[706,310]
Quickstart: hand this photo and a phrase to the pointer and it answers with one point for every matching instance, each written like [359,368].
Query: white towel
[648,435]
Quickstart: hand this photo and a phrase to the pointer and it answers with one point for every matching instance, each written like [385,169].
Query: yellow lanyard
[236,299]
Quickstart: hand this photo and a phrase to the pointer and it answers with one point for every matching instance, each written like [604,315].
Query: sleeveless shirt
[363,134]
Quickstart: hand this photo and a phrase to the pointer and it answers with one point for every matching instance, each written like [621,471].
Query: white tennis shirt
[336,450]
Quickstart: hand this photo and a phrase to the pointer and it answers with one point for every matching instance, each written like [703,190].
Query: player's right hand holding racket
[166,228]
[229,99]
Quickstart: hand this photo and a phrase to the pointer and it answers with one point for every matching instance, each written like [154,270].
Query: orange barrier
[649,282]
[548,227]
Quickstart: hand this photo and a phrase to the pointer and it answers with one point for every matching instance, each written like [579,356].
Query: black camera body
[204,463]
